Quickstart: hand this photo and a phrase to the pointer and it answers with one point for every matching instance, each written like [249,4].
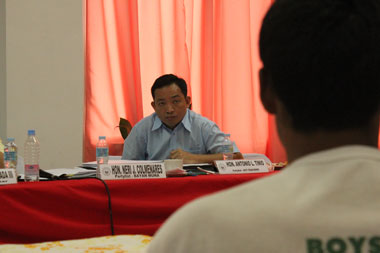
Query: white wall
[2,71]
[44,77]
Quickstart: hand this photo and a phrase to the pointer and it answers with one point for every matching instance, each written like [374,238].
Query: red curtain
[212,44]
[113,83]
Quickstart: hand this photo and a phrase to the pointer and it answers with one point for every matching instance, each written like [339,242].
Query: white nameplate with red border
[8,176]
[131,170]
[242,166]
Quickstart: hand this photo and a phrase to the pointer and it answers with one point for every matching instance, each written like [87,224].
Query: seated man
[321,79]
[174,131]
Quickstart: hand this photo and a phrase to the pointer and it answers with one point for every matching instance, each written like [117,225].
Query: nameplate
[8,176]
[131,171]
[242,166]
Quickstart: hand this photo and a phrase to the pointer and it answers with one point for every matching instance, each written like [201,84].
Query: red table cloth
[73,209]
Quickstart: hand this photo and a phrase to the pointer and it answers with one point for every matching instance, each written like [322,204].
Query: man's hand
[181,154]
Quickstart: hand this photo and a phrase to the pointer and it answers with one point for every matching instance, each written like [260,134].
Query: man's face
[170,105]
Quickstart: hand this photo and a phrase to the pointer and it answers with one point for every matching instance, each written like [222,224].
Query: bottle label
[10,156]
[101,152]
[228,149]
[32,168]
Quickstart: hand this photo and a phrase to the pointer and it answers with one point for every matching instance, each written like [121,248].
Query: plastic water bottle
[228,148]
[10,154]
[102,150]
[31,157]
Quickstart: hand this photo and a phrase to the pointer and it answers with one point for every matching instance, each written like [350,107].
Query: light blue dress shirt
[150,139]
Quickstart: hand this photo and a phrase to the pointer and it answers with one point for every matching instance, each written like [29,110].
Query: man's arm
[134,145]
[199,158]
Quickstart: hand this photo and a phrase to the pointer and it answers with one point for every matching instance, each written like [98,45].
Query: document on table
[76,172]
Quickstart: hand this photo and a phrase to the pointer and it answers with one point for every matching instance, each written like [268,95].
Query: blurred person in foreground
[321,79]
[173,130]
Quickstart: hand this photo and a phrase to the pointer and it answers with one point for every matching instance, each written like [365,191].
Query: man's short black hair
[323,57]
[169,79]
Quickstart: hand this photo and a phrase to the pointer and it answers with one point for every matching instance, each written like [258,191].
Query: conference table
[74,209]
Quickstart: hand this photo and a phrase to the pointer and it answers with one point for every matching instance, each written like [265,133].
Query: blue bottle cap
[102,137]
[31,132]
[10,139]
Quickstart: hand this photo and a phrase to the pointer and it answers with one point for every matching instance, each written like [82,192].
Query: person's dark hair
[323,57]
[169,79]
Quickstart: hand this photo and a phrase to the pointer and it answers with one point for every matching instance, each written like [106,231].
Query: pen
[206,171]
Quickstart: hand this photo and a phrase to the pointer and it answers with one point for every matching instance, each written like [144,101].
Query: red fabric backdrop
[212,44]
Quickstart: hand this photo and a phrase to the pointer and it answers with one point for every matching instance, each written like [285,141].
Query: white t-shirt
[327,201]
